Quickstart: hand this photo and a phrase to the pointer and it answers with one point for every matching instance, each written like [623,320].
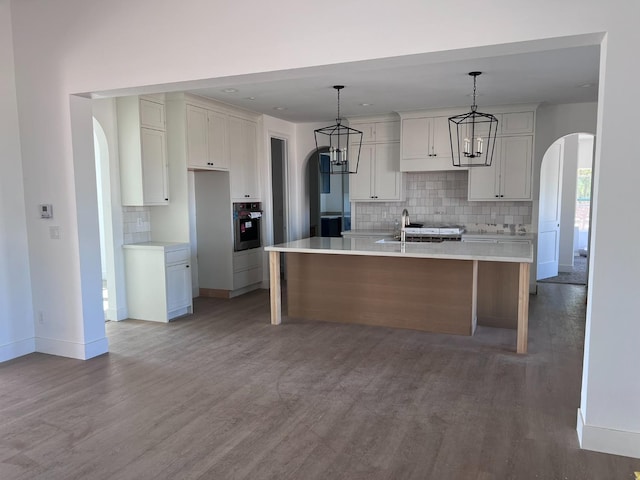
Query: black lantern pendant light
[473,135]
[344,146]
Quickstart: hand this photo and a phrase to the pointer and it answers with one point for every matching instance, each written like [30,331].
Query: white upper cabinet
[206,133]
[425,144]
[378,132]
[517,123]
[142,148]
[243,157]
[152,114]
[509,176]
[378,177]
[217,127]
[197,137]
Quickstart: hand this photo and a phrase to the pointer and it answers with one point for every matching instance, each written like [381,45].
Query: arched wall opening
[564,209]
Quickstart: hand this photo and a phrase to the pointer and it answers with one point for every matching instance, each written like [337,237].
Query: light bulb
[467,146]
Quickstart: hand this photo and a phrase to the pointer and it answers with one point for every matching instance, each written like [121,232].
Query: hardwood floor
[225,395]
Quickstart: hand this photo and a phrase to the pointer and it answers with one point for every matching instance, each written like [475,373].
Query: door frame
[286,181]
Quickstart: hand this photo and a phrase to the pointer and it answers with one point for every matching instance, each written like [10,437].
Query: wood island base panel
[425,294]
[447,287]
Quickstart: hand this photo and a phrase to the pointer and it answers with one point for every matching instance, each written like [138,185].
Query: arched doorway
[110,221]
[564,210]
[329,202]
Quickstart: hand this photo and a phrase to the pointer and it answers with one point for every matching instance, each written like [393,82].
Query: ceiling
[562,75]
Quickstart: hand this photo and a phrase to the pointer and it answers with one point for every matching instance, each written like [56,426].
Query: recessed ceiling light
[366,104]
[586,85]
[279,108]
[230,90]
[251,98]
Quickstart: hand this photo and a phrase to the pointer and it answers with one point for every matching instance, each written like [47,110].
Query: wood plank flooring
[225,395]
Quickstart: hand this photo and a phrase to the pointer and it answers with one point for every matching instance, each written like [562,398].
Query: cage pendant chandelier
[473,135]
[344,146]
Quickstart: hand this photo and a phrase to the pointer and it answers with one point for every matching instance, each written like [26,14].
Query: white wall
[16,308]
[73,46]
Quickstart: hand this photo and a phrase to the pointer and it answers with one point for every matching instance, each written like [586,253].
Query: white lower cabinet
[158,279]
[247,268]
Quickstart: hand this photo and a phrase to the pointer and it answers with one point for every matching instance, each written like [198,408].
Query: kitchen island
[424,286]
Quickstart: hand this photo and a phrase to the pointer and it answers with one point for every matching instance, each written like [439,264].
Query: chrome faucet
[403,224]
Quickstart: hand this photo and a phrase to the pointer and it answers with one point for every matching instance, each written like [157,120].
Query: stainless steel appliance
[246,226]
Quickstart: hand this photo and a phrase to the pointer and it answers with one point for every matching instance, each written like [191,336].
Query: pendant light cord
[474,107]
[338,119]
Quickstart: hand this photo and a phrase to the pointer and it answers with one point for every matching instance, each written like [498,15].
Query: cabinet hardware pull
[187,266]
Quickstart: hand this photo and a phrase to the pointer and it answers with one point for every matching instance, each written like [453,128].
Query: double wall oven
[246,226]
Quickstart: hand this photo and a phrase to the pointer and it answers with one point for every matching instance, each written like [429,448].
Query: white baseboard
[605,440]
[63,348]
[17,349]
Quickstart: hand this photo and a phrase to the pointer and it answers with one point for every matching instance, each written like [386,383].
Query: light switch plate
[46,210]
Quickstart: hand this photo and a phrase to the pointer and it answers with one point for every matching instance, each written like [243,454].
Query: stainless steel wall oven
[246,226]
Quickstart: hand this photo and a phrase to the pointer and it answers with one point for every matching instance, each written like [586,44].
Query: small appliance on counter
[246,226]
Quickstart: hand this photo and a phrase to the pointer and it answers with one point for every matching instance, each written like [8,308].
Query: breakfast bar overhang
[431,287]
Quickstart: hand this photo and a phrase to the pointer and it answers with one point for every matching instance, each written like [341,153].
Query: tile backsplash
[441,197]
[137,224]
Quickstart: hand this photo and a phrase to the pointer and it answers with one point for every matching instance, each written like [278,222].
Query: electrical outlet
[493,215]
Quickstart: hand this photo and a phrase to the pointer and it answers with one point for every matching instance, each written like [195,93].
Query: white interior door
[549,211]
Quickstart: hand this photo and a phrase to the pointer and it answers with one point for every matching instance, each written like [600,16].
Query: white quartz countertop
[492,252]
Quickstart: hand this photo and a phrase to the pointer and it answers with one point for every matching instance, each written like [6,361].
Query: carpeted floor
[577,277]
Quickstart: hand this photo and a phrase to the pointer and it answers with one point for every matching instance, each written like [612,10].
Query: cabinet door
[154,167]
[481,129]
[368,131]
[415,137]
[250,131]
[387,132]
[197,131]
[178,286]
[439,141]
[517,123]
[243,159]
[386,175]
[217,140]
[151,115]
[515,181]
[361,182]
[484,181]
